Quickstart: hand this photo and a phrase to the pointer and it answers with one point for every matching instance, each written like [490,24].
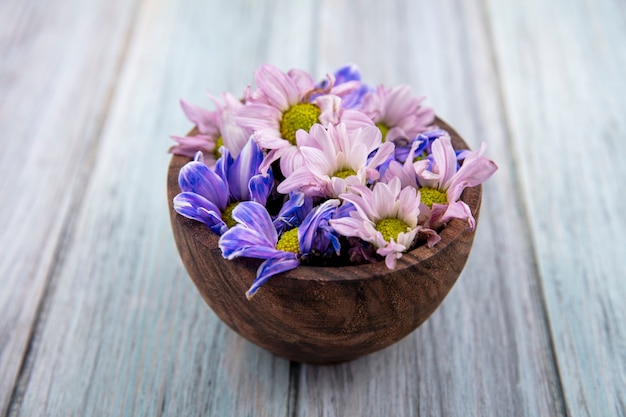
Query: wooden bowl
[325,315]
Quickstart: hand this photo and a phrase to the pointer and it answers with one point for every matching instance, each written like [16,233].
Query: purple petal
[198,178]
[214,221]
[244,167]
[349,72]
[315,233]
[196,207]
[293,212]
[260,187]
[188,203]
[280,263]
[255,216]
[241,241]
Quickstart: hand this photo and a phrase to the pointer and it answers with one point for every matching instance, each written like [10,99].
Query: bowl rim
[456,228]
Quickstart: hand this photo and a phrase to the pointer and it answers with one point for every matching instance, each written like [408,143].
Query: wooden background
[98,316]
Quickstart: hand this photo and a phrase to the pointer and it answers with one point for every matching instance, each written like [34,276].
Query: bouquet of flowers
[335,172]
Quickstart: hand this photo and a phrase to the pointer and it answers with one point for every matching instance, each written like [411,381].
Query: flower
[281,107]
[385,216]
[215,129]
[255,236]
[346,75]
[363,174]
[293,212]
[442,185]
[335,159]
[397,113]
[209,195]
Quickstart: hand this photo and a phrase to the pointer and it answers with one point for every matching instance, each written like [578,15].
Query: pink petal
[330,107]
[281,91]
[445,159]
[354,119]
[475,170]
[302,79]
[203,119]
[259,116]
[269,139]
[290,160]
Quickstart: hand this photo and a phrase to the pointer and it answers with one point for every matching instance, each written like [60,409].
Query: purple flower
[293,212]
[348,75]
[317,237]
[209,195]
[255,236]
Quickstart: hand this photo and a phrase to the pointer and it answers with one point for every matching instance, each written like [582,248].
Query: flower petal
[244,167]
[198,178]
[281,91]
[187,204]
[445,159]
[260,187]
[259,116]
[189,145]
[241,241]
[254,216]
[292,212]
[313,234]
[273,266]
[475,170]
[205,120]
[196,207]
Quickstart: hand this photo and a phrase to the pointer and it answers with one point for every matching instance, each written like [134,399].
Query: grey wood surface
[97,315]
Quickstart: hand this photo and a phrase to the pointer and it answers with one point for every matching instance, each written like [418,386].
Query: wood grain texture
[89,271]
[325,315]
[565,97]
[56,75]
[125,333]
[486,350]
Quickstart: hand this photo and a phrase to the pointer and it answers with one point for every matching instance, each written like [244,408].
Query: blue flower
[346,74]
[317,237]
[255,236]
[210,195]
[292,212]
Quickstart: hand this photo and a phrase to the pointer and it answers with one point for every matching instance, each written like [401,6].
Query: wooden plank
[562,70]
[126,333]
[55,79]
[487,350]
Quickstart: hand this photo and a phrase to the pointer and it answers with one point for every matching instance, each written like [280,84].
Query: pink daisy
[397,113]
[442,184]
[281,106]
[386,217]
[334,159]
[215,129]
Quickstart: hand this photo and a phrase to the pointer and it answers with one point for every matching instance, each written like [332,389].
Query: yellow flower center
[219,142]
[227,215]
[288,242]
[299,116]
[429,196]
[344,173]
[383,129]
[391,228]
